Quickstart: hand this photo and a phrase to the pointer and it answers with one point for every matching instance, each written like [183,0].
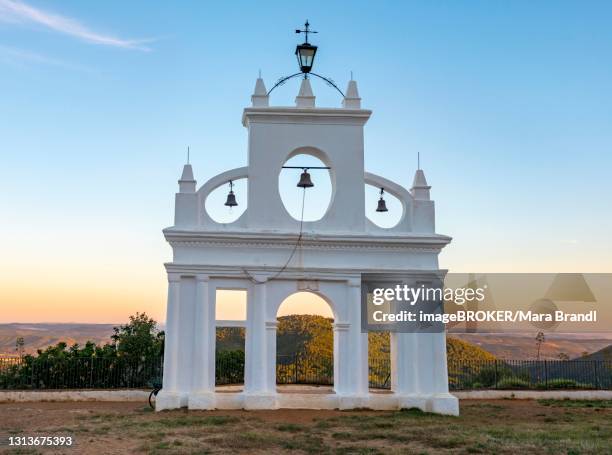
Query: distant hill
[297,332]
[40,336]
[460,350]
[522,346]
[602,354]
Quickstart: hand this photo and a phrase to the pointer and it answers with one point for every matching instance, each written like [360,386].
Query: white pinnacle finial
[420,188]
[305,97]
[260,94]
[187,183]
[351,99]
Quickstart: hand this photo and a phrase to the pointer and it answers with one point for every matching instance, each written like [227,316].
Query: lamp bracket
[328,81]
[306,167]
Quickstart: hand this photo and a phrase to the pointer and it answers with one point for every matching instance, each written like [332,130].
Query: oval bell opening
[316,183]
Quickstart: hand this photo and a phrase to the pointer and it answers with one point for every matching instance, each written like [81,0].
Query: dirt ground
[485,426]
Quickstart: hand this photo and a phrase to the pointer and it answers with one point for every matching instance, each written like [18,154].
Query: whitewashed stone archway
[335,257]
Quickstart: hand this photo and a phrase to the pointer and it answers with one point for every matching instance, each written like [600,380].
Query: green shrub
[512,383]
[562,383]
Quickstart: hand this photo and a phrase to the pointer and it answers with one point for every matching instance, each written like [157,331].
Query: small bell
[382,205]
[305,181]
[231,197]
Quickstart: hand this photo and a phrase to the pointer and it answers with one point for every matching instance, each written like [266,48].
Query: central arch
[305,340]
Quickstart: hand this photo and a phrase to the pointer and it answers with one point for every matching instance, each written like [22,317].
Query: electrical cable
[295,247]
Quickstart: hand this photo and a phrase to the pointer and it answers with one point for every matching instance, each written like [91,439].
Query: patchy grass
[577,403]
[484,427]
[291,427]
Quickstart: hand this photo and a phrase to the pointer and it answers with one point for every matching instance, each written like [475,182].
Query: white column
[171,345]
[404,363]
[271,327]
[358,342]
[440,363]
[342,365]
[203,383]
[169,398]
[259,394]
[434,374]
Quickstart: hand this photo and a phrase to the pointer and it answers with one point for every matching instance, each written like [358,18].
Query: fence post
[596,375]
[495,377]
[546,374]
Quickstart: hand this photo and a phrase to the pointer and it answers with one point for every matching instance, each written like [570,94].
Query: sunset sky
[509,104]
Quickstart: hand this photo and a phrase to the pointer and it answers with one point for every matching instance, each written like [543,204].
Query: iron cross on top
[306,30]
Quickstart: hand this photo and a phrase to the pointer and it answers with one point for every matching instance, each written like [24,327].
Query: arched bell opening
[228,201]
[305,341]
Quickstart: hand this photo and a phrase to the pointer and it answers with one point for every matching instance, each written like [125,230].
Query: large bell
[305,181]
[382,205]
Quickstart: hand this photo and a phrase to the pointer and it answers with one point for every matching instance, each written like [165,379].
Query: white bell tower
[335,136]
[338,255]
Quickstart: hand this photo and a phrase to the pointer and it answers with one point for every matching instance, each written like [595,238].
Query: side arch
[401,193]
[214,183]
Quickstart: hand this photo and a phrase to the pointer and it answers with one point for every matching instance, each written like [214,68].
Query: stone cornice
[417,242]
[301,115]
[312,273]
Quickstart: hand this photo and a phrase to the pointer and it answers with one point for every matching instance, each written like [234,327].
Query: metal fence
[116,373]
[298,369]
[79,373]
[530,374]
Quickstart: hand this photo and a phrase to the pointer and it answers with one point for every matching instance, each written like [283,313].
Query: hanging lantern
[305,52]
[305,181]
[382,205]
[231,197]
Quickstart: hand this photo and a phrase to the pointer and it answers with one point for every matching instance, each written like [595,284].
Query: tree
[563,356]
[139,339]
[20,346]
[539,340]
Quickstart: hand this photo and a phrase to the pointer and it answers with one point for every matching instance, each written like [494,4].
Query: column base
[443,403]
[168,400]
[353,402]
[409,401]
[253,401]
[201,400]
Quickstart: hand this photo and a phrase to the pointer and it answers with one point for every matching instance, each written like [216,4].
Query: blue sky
[509,104]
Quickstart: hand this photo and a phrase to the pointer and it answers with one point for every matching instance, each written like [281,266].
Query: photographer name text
[484,316]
